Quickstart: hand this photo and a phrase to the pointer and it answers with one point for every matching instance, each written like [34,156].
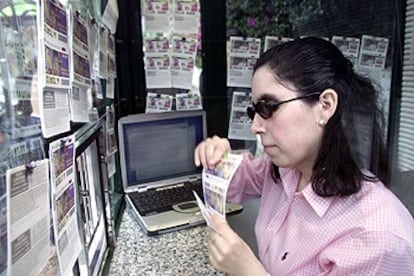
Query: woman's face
[291,136]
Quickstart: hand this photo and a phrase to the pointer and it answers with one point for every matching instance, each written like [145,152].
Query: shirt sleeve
[369,253]
[248,180]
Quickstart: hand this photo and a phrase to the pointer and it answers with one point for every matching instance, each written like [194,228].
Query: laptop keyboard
[162,199]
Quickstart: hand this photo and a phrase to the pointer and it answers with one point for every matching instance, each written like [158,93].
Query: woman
[320,212]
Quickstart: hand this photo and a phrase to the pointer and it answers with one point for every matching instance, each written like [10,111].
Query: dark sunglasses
[266,108]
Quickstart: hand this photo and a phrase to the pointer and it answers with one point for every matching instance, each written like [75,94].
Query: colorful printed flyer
[215,184]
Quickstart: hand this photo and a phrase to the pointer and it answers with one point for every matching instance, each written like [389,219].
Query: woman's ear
[328,102]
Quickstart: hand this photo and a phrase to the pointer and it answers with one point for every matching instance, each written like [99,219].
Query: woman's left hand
[229,253]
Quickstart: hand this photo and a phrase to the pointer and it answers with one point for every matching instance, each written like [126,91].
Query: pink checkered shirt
[368,233]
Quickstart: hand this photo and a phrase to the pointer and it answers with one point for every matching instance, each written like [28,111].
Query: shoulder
[381,211]
[370,252]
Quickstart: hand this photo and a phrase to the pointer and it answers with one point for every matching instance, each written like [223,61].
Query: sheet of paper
[183,53]
[188,101]
[54,111]
[186,16]
[64,210]
[54,54]
[28,218]
[111,56]
[157,71]
[204,212]
[156,16]
[240,123]
[110,15]
[111,145]
[158,102]
[373,52]
[244,52]
[54,62]
[81,70]
[102,57]
[216,182]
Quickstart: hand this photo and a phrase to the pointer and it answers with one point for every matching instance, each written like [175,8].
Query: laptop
[158,171]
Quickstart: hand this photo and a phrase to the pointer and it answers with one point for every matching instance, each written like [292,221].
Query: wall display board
[57,73]
[171,43]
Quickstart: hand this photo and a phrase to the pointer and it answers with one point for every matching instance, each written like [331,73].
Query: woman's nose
[256,126]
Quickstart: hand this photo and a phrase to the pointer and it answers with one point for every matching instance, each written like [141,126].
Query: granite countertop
[182,252]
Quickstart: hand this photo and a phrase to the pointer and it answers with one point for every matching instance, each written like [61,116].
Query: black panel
[214,75]
[130,64]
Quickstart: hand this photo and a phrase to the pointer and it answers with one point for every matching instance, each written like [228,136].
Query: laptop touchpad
[186,207]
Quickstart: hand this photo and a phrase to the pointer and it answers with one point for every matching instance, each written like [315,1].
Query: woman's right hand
[209,152]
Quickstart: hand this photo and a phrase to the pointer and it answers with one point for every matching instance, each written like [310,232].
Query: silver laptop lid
[157,148]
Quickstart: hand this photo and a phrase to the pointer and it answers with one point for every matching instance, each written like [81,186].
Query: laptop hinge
[194,178]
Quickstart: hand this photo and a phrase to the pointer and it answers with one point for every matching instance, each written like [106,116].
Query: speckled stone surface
[182,252]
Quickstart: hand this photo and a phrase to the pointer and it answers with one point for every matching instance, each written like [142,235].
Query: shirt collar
[319,204]
[290,180]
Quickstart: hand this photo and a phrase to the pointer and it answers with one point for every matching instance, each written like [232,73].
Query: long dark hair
[313,65]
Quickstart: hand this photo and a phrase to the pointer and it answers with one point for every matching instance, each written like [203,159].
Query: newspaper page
[81,69]
[244,52]
[102,61]
[54,111]
[110,129]
[271,41]
[110,15]
[183,55]
[158,103]
[156,16]
[240,123]
[215,184]
[349,46]
[92,39]
[110,88]
[373,52]
[186,16]
[62,153]
[54,67]
[157,62]
[111,56]
[111,165]
[157,71]
[188,101]
[28,218]
[156,46]
[54,44]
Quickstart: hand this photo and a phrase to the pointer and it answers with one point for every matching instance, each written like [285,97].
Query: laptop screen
[159,146]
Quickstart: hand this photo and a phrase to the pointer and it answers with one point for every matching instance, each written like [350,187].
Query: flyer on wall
[64,209]
[186,16]
[158,102]
[240,123]
[28,218]
[53,67]
[373,52]
[156,15]
[242,56]
[81,69]
[183,53]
